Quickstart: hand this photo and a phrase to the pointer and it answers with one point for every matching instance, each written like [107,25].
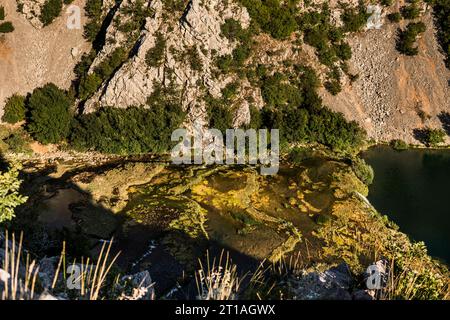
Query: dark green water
[412,187]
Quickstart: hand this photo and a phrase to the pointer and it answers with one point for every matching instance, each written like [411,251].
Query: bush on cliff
[50,115]
[14,110]
[50,11]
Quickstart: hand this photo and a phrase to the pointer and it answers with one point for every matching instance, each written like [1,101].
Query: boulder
[332,284]
[138,286]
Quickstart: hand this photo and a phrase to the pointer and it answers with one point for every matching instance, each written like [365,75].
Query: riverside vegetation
[313,212]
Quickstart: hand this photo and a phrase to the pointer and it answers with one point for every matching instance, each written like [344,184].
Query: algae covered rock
[110,188]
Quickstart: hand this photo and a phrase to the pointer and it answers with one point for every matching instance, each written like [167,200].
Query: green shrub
[93,9]
[278,92]
[333,130]
[225,63]
[194,59]
[136,12]
[399,145]
[299,154]
[50,11]
[410,12]
[91,29]
[220,117]
[14,109]
[255,119]
[363,171]
[10,198]
[395,17]
[18,141]
[406,42]
[175,5]
[434,137]
[327,55]
[343,51]
[387,3]
[240,55]
[6,27]
[107,67]
[232,30]
[133,130]
[274,17]
[235,61]
[333,86]
[355,19]
[220,112]
[294,107]
[2,13]
[90,83]
[50,115]
[154,56]
[230,91]
[328,39]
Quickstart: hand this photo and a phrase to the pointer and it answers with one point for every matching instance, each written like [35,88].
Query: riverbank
[311,209]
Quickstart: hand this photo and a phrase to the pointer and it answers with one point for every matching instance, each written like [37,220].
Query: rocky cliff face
[195,35]
[393,90]
[32,56]
[389,99]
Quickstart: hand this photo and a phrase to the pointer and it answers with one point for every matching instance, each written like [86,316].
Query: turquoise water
[412,187]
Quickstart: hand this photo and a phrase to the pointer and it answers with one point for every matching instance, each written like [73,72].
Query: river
[412,188]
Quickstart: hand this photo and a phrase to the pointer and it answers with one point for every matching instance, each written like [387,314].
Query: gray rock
[141,287]
[332,284]
[48,296]
[47,271]
[363,295]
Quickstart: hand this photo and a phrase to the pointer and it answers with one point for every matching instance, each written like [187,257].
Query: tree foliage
[50,115]
[50,11]
[275,17]
[135,130]
[10,197]
[93,9]
[411,11]
[355,19]
[399,145]
[15,109]
[294,107]
[434,137]
[363,171]
[2,13]
[155,56]
[406,42]
[6,27]
[89,83]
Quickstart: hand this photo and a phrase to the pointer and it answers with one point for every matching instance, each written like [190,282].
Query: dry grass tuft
[219,280]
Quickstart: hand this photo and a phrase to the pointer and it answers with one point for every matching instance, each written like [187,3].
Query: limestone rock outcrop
[197,32]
